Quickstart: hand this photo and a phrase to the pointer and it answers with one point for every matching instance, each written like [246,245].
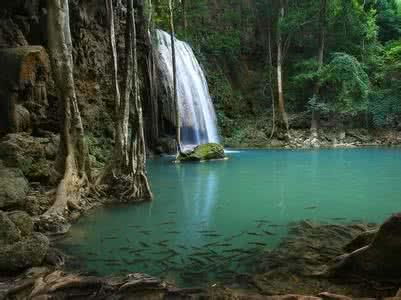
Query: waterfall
[198,118]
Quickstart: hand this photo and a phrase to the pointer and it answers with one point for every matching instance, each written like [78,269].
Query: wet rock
[361,240]
[13,187]
[203,152]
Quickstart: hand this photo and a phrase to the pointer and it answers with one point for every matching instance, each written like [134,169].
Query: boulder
[22,221]
[24,253]
[13,187]
[203,152]
[33,155]
[20,247]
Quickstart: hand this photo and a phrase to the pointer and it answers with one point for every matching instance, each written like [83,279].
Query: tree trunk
[141,188]
[175,95]
[320,57]
[125,175]
[281,102]
[72,160]
[270,58]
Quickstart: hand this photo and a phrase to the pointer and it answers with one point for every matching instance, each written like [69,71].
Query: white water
[198,118]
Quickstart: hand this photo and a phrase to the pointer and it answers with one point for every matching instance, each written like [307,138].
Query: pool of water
[210,221]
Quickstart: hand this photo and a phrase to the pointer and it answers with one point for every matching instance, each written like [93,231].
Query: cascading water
[197,115]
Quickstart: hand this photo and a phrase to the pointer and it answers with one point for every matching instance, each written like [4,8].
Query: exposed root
[130,188]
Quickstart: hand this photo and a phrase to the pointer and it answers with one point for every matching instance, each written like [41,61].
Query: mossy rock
[203,152]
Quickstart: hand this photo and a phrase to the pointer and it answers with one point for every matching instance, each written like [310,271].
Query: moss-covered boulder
[20,246]
[203,152]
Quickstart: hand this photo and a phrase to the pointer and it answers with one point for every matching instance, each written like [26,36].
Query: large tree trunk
[281,102]
[72,160]
[175,95]
[141,188]
[125,175]
[320,57]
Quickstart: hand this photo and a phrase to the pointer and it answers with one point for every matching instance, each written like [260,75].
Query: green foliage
[349,83]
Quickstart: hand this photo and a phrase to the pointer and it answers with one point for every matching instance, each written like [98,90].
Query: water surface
[210,221]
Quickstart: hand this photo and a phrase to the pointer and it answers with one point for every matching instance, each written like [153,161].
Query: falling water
[198,118]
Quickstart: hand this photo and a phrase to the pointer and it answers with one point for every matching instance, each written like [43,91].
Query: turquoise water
[211,221]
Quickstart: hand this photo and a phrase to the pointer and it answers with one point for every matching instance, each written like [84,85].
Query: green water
[211,221]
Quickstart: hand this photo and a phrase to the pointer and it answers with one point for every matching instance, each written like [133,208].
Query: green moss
[203,152]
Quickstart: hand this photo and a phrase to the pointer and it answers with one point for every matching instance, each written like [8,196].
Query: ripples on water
[212,221]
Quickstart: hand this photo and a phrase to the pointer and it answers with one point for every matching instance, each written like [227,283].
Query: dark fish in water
[110,260]
[196,248]
[91,253]
[162,243]
[147,232]
[338,219]
[206,231]
[232,250]
[234,236]
[135,226]
[268,232]
[224,245]
[196,260]
[167,223]
[253,233]
[201,253]
[144,244]
[257,243]
[172,232]
[172,212]
[311,207]
[211,235]
[182,247]
[124,248]
[275,225]
[110,238]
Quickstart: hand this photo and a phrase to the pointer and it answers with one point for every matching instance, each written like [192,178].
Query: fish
[212,235]
[135,251]
[110,238]
[168,223]
[172,212]
[172,232]
[196,260]
[110,260]
[262,221]
[182,247]
[311,207]
[338,219]
[113,264]
[253,233]
[257,243]
[124,248]
[268,232]
[135,226]
[224,245]
[206,231]
[144,244]
[162,243]
[147,232]
[275,225]
[91,253]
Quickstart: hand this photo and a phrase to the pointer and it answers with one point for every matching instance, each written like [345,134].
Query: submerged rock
[203,152]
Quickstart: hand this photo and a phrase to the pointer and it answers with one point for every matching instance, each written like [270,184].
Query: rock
[20,246]
[32,155]
[24,253]
[13,188]
[203,152]
[23,222]
[360,241]
[379,260]
[9,232]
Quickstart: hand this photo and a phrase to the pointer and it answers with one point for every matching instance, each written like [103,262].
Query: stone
[24,253]
[9,232]
[23,222]
[203,152]
[13,188]
[32,155]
